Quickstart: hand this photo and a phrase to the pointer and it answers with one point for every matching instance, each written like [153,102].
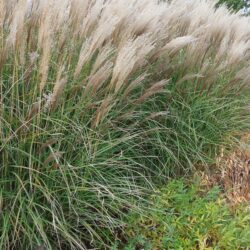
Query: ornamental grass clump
[101,100]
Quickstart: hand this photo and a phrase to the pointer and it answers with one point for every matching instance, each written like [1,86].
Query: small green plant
[184,216]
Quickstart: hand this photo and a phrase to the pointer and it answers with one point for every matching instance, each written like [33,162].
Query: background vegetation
[236,5]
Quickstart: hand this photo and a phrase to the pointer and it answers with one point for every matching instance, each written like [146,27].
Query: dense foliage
[235,5]
[188,217]
[101,101]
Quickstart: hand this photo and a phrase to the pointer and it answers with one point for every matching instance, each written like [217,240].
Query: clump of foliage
[187,217]
[100,101]
[234,5]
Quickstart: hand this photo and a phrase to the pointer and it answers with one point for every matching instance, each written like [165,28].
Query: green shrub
[186,217]
[235,5]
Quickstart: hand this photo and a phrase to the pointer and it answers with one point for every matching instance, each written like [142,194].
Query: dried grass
[235,173]
[232,173]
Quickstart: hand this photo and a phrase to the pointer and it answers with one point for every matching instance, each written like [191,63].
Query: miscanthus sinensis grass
[100,100]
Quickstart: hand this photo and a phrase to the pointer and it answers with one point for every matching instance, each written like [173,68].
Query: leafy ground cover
[188,216]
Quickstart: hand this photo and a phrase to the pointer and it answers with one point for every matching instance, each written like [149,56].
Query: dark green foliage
[235,5]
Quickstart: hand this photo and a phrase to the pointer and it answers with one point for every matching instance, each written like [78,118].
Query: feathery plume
[102,111]
[154,89]
[102,33]
[96,80]
[130,57]
[58,89]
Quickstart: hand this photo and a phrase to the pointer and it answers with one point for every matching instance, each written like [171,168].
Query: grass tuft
[100,101]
